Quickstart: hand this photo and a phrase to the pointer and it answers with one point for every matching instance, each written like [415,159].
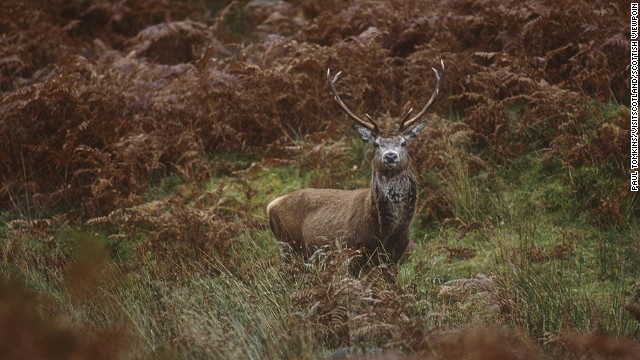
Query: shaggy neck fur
[393,201]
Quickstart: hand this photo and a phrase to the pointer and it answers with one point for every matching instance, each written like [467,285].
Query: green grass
[555,270]
[520,228]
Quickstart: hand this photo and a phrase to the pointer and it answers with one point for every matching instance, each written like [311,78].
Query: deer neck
[393,200]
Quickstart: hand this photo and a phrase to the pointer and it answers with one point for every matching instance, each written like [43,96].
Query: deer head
[390,147]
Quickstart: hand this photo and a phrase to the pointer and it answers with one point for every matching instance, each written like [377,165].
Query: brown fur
[376,219]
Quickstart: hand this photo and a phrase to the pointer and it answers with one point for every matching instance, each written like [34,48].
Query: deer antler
[404,123]
[371,125]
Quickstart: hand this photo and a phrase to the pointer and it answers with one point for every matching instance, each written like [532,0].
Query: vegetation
[141,140]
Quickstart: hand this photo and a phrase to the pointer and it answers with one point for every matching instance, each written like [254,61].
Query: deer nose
[391,157]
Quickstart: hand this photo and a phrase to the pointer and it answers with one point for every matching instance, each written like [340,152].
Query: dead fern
[168,228]
[368,312]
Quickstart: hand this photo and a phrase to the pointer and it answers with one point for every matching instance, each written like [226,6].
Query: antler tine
[371,125]
[407,123]
[406,115]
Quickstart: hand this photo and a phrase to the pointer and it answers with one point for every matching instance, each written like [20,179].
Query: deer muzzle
[390,159]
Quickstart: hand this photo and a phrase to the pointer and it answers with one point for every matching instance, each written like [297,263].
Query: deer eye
[376,144]
[403,143]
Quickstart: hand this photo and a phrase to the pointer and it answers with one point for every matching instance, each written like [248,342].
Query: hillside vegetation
[141,140]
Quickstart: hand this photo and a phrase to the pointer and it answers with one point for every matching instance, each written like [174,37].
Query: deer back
[309,218]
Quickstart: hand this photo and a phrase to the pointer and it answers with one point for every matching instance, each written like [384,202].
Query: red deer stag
[376,218]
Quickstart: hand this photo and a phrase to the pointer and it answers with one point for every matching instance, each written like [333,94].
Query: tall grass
[552,272]
[463,191]
[515,260]
[180,308]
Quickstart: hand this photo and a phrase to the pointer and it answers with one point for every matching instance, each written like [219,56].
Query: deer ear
[365,134]
[413,131]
